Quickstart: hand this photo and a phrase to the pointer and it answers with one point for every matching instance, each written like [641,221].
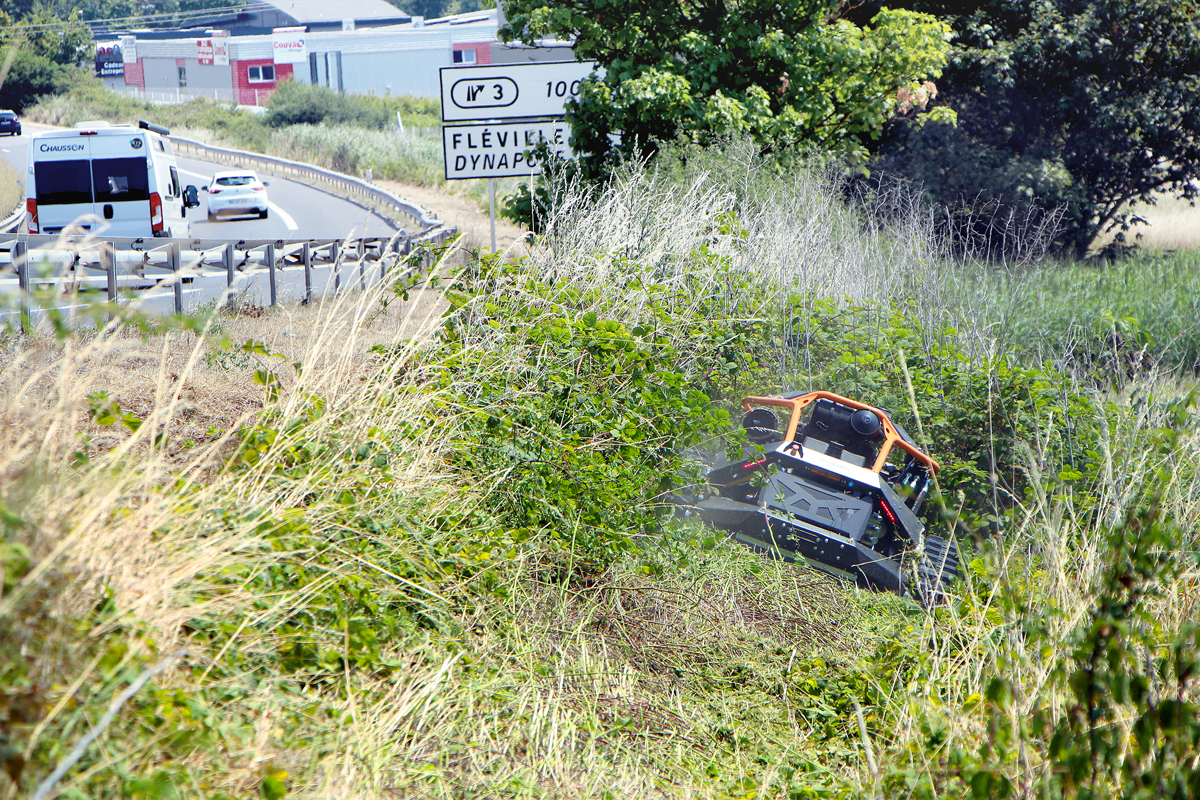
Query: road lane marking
[283,215]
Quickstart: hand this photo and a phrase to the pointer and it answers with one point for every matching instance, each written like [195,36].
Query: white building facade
[393,60]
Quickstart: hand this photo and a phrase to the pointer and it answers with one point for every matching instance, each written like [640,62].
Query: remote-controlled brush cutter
[837,484]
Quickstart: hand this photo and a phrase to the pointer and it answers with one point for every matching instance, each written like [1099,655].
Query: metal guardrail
[146,264]
[340,183]
[13,221]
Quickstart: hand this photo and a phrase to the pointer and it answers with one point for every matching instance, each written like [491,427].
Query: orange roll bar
[891,435]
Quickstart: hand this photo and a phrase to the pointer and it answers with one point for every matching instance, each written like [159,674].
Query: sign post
[501,114]
[492,209]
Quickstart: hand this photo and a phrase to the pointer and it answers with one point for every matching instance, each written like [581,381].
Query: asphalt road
[297,211]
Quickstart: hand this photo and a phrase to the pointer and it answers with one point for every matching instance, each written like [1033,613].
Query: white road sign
[503,150]
[510,91]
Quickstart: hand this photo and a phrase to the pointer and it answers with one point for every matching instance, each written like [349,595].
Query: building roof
[316,11]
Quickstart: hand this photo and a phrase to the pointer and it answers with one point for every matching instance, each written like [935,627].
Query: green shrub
[295,103]
[576,423]
[305,104]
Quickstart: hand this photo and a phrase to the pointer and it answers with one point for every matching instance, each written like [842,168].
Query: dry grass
[1174,224]
[12,189]
[205,383]
[134,521]
[1171,224]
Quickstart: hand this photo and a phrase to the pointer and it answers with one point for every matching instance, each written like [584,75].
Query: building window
[263,74]
[464,56]
[182,77]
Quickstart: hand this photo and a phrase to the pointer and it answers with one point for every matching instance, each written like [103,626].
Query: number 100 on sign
[502,150]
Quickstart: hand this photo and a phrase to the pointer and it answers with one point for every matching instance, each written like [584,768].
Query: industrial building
[355,47]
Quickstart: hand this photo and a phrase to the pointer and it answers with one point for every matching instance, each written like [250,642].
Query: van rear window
[63,182]
[119,180]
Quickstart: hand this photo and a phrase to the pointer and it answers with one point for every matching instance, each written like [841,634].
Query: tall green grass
[1144,309]
[414,157]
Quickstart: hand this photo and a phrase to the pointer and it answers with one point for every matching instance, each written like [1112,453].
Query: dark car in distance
[10,123]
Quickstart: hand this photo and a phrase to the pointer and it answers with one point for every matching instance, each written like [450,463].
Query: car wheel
[262,214]
[212,217]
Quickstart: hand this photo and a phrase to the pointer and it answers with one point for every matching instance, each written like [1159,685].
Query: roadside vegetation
[378,548]
[436,563]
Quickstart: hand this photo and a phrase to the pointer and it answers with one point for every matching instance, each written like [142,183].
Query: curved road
[298,211]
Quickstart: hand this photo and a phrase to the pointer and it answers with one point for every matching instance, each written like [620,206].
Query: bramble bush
[576,423]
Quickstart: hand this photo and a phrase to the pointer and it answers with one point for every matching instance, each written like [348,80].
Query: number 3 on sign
[560,89]
[499,87]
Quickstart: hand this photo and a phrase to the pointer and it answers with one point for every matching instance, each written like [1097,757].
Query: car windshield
[236,180]
[7,115]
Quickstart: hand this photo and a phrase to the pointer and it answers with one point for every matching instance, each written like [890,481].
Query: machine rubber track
[937,569]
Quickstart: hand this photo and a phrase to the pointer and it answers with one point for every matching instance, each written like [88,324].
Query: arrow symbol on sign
[473,92]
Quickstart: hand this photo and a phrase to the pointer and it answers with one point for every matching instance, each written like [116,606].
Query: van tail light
[156,214]
[31,210]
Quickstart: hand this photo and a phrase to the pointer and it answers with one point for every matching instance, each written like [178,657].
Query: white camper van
[117,179]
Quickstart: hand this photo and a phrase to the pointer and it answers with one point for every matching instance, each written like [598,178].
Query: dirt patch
[194,390]
[462,213]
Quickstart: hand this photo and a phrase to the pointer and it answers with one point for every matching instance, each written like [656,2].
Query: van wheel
[262,214]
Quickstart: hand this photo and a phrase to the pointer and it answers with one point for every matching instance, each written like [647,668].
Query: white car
[236,193]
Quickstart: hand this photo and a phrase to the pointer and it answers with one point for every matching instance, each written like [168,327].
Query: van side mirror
[191,196]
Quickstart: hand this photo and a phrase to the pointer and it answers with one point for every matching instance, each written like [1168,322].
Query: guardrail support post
[174,258]
[20,258]
[271,272]
[227,258]
[360,252]
[306,255]
[108,260]
[335,255]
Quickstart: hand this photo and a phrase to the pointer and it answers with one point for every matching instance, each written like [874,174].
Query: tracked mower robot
[837,484]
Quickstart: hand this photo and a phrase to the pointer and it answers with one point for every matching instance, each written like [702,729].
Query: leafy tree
[37,55]
[29,76]
[1082,105]
[65,40]
[432,9]
[113,9]
[785,72]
